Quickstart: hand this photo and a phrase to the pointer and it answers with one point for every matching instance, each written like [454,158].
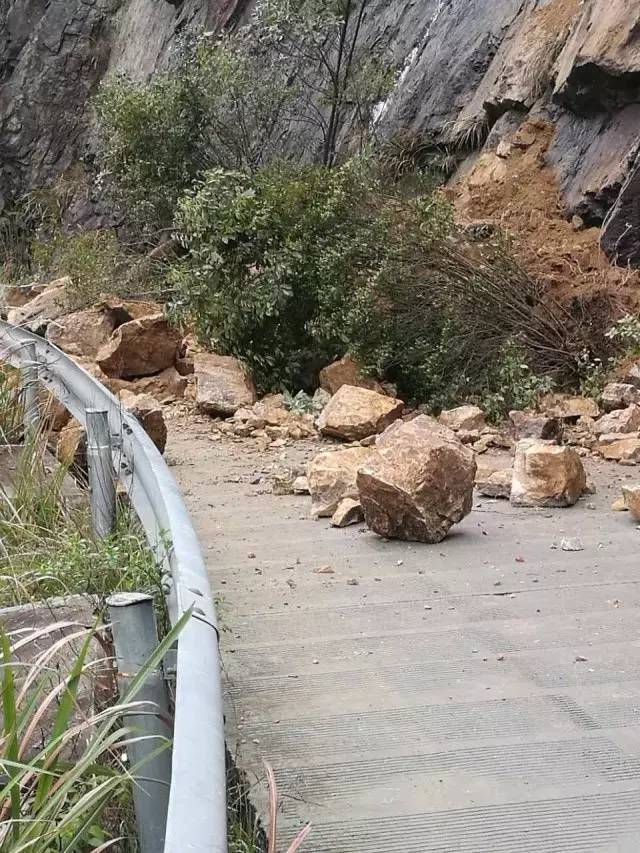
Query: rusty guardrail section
[196,819]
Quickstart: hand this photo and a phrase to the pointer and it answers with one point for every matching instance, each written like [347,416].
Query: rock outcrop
[468,71]
[417,483]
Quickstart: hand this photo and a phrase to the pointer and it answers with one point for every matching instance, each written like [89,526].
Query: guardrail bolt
[135,638]
[102,480]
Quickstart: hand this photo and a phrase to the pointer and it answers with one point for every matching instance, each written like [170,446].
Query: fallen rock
[332,476]
[631,497]
[71,447]
[619,505]
[355,413]
[632,376]
[619,421]
[464,418]
[349,511]
[300,486]
[53,413]
[166,386]
[49,305]
[141,347]
[528,424]
[619,449]
[148,411]
[567,406]
[222,384]
[347,371]
[571,543]
[619,395]
[82,333]
[546,475]
[494,484]
[417,482]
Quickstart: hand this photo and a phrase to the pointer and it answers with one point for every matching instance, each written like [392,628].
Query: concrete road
[477,696]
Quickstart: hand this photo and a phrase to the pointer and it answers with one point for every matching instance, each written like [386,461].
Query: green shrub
[269,258]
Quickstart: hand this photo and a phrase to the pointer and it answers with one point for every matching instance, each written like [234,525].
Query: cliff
[470,72]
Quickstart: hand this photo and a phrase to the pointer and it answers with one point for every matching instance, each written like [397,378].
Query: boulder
[619,421]
[141,347]
[43,308]
[494,483]
[417,482]
[166,386]
[546,475]
[631,497]
[148,411]
[82,333]
[355,413]
[528,424]
[619,395]
[468,419]
[222,384]
[568,406]
[619,448]
[331,476]
[347,371]
[349,511]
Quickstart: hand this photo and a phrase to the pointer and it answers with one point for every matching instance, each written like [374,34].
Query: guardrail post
[102,481]
[29,389]
[135,639]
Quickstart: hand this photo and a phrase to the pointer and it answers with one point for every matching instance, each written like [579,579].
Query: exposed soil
[517,189]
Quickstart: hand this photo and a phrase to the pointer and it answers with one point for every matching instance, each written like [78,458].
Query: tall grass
[53,798]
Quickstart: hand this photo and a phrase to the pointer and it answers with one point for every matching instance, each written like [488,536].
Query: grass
[57,794]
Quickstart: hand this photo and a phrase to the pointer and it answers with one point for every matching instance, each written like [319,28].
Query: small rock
[349,511]
[494,483]
[619,395]
[572,544]
[300,486]
[619,505]
[581,659]
[353,582]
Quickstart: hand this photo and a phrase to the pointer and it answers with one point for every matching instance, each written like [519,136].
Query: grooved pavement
[477,696]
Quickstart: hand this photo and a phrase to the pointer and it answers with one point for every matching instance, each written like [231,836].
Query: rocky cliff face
[470,72]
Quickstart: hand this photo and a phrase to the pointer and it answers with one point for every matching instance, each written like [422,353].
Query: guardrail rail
[196,818]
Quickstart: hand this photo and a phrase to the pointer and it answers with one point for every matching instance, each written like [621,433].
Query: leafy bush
[293,266]
[268,257]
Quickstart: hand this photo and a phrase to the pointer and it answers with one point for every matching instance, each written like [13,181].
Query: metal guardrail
[196,819]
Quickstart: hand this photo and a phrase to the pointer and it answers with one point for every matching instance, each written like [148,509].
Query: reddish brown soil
[519,190]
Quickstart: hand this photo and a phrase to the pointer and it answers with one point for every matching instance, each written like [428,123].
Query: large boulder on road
[355,413]
[546,475]
[417,483]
